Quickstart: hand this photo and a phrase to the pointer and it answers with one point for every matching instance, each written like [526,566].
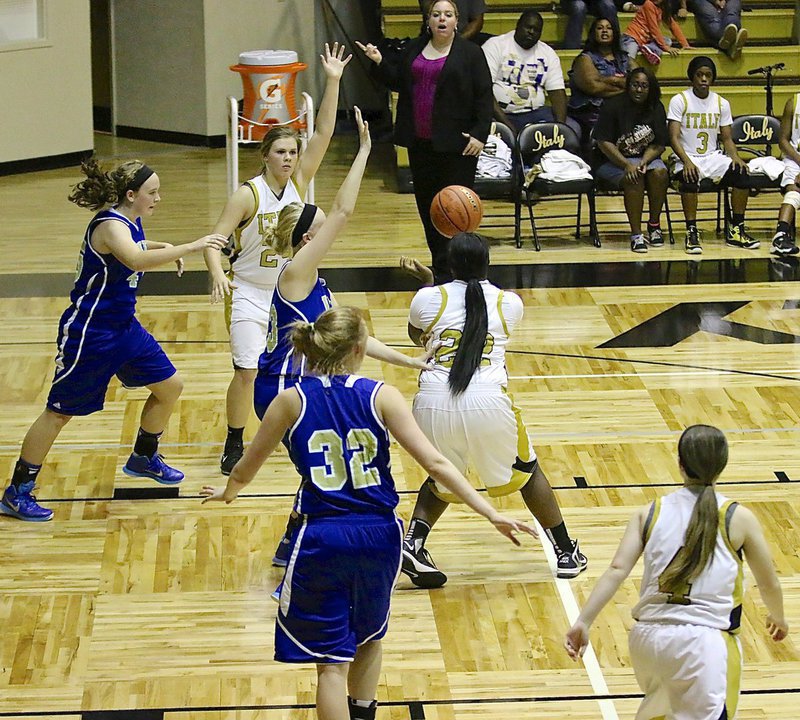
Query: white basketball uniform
[480,428]
[790,167]
[255,267]
[684,650]
[701,120]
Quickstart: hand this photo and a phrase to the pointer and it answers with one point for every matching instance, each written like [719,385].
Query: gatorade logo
[270,89]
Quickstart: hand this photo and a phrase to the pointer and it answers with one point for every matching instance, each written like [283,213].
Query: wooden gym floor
[137,598]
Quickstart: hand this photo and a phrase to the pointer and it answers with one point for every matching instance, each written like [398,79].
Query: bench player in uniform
[698,119]
[99,335]
[306,233]
[250,216]
[684,646]
[463,408]
[334,602]
[783,243]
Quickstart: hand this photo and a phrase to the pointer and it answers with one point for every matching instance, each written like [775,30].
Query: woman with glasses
[631,132]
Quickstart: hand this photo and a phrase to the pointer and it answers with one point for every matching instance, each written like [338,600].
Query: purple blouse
[425,74]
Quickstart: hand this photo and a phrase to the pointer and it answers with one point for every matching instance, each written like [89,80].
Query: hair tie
[303,224]
[139,179]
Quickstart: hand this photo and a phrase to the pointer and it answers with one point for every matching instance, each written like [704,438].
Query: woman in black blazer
[444,111]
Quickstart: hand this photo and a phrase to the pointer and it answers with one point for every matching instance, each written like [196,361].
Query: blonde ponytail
[329,342]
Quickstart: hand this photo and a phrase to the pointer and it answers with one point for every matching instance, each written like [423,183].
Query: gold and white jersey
[795,137]
[440,311]
[253,259]
[700,119]
[714,598]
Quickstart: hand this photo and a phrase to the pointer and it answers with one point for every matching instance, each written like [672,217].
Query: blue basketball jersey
[105,289]
[341,448]
[278,358]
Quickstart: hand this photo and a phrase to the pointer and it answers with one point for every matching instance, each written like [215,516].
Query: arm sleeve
[725,117]
[660,126]
[554,80]
[676,107]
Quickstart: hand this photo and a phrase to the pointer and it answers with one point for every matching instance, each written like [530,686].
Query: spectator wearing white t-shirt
[524,71]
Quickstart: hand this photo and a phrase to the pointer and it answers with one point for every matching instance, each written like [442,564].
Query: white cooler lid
[267,57]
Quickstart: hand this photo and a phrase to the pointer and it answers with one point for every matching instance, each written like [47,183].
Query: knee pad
[792,198]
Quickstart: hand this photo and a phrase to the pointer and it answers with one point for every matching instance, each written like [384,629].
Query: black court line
[154,713]
[782,476]
[146,493]
[580,481]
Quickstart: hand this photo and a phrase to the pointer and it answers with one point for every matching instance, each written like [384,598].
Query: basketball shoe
[783,244]
[693,246]
[419,566]
[20,502]
[154,468]
[739,237]
[570,564]
[231,454]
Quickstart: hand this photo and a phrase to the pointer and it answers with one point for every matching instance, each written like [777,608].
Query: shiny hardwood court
[137,597]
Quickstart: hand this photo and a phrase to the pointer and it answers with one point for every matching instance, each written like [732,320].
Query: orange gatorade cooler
[268,78]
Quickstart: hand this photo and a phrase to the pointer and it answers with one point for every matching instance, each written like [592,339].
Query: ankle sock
[559,537]
[784,227]
[24,472]
[362,709]
[737,219]
[417,530]
[235,436]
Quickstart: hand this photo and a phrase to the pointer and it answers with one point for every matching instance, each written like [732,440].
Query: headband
[140,178]
[303,223]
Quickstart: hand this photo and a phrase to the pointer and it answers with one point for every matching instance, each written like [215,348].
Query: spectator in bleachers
[721,23]
[523,70]
[444,110]
[678,7]
[597,73]
[577,10]
[698,119]
[643,34]
[784,243]
[632,133]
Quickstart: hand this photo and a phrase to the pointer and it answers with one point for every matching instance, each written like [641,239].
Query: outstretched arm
[334,63]
[380,351]
[300,275]
[398,418]
[628,552]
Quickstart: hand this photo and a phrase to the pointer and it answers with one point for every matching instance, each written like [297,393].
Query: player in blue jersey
[300,294]
[334,603]
[99,335]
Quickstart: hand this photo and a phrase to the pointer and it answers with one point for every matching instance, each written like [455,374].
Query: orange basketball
[456,209]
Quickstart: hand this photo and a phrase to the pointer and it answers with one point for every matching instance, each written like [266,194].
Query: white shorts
[790,172]
[480,430]
[687,672]
[249,324]
[712,165]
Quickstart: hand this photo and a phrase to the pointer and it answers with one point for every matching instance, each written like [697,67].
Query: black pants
[431,171]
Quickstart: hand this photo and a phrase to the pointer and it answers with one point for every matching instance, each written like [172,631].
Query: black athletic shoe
[420,568]
[655,237]
[692,243]
[230,456]
[570,564]
[783,244]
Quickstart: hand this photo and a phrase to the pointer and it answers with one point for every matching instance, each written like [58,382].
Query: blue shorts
[337,587]
[267,388]
[614,175]
[88,360]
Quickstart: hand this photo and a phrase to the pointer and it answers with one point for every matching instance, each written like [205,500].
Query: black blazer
[463,100]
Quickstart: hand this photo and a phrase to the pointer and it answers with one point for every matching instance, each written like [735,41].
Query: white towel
[495,159]
[769,166]
[562,165]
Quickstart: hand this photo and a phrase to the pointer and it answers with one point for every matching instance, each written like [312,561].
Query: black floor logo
[685,319]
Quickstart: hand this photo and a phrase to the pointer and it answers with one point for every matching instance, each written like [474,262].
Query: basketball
[456,209]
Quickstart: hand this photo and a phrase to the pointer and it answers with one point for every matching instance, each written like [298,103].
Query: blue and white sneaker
[20,502]
[154,468]
[276,593]
[282,552]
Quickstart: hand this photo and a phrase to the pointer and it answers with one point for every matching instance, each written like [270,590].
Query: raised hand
[416,269]
[371,52]
[364,139]
[333,61]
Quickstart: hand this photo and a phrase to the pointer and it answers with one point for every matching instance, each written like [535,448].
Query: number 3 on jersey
[361,445]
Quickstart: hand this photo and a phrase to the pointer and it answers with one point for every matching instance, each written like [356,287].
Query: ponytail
[703,454]
[104,188]
[329,342]
[468,254]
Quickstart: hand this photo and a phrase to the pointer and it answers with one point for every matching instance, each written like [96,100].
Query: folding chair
[503,188]
[533,142]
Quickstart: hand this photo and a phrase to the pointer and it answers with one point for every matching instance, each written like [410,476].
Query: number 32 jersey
[440,311]
[340,447]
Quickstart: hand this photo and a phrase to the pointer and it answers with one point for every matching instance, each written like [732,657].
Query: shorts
[88,360]
[266,389]
[687,672]
[715,166]
[479,429]
[614,175]
[790,172]
[249,324]
[337,588]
